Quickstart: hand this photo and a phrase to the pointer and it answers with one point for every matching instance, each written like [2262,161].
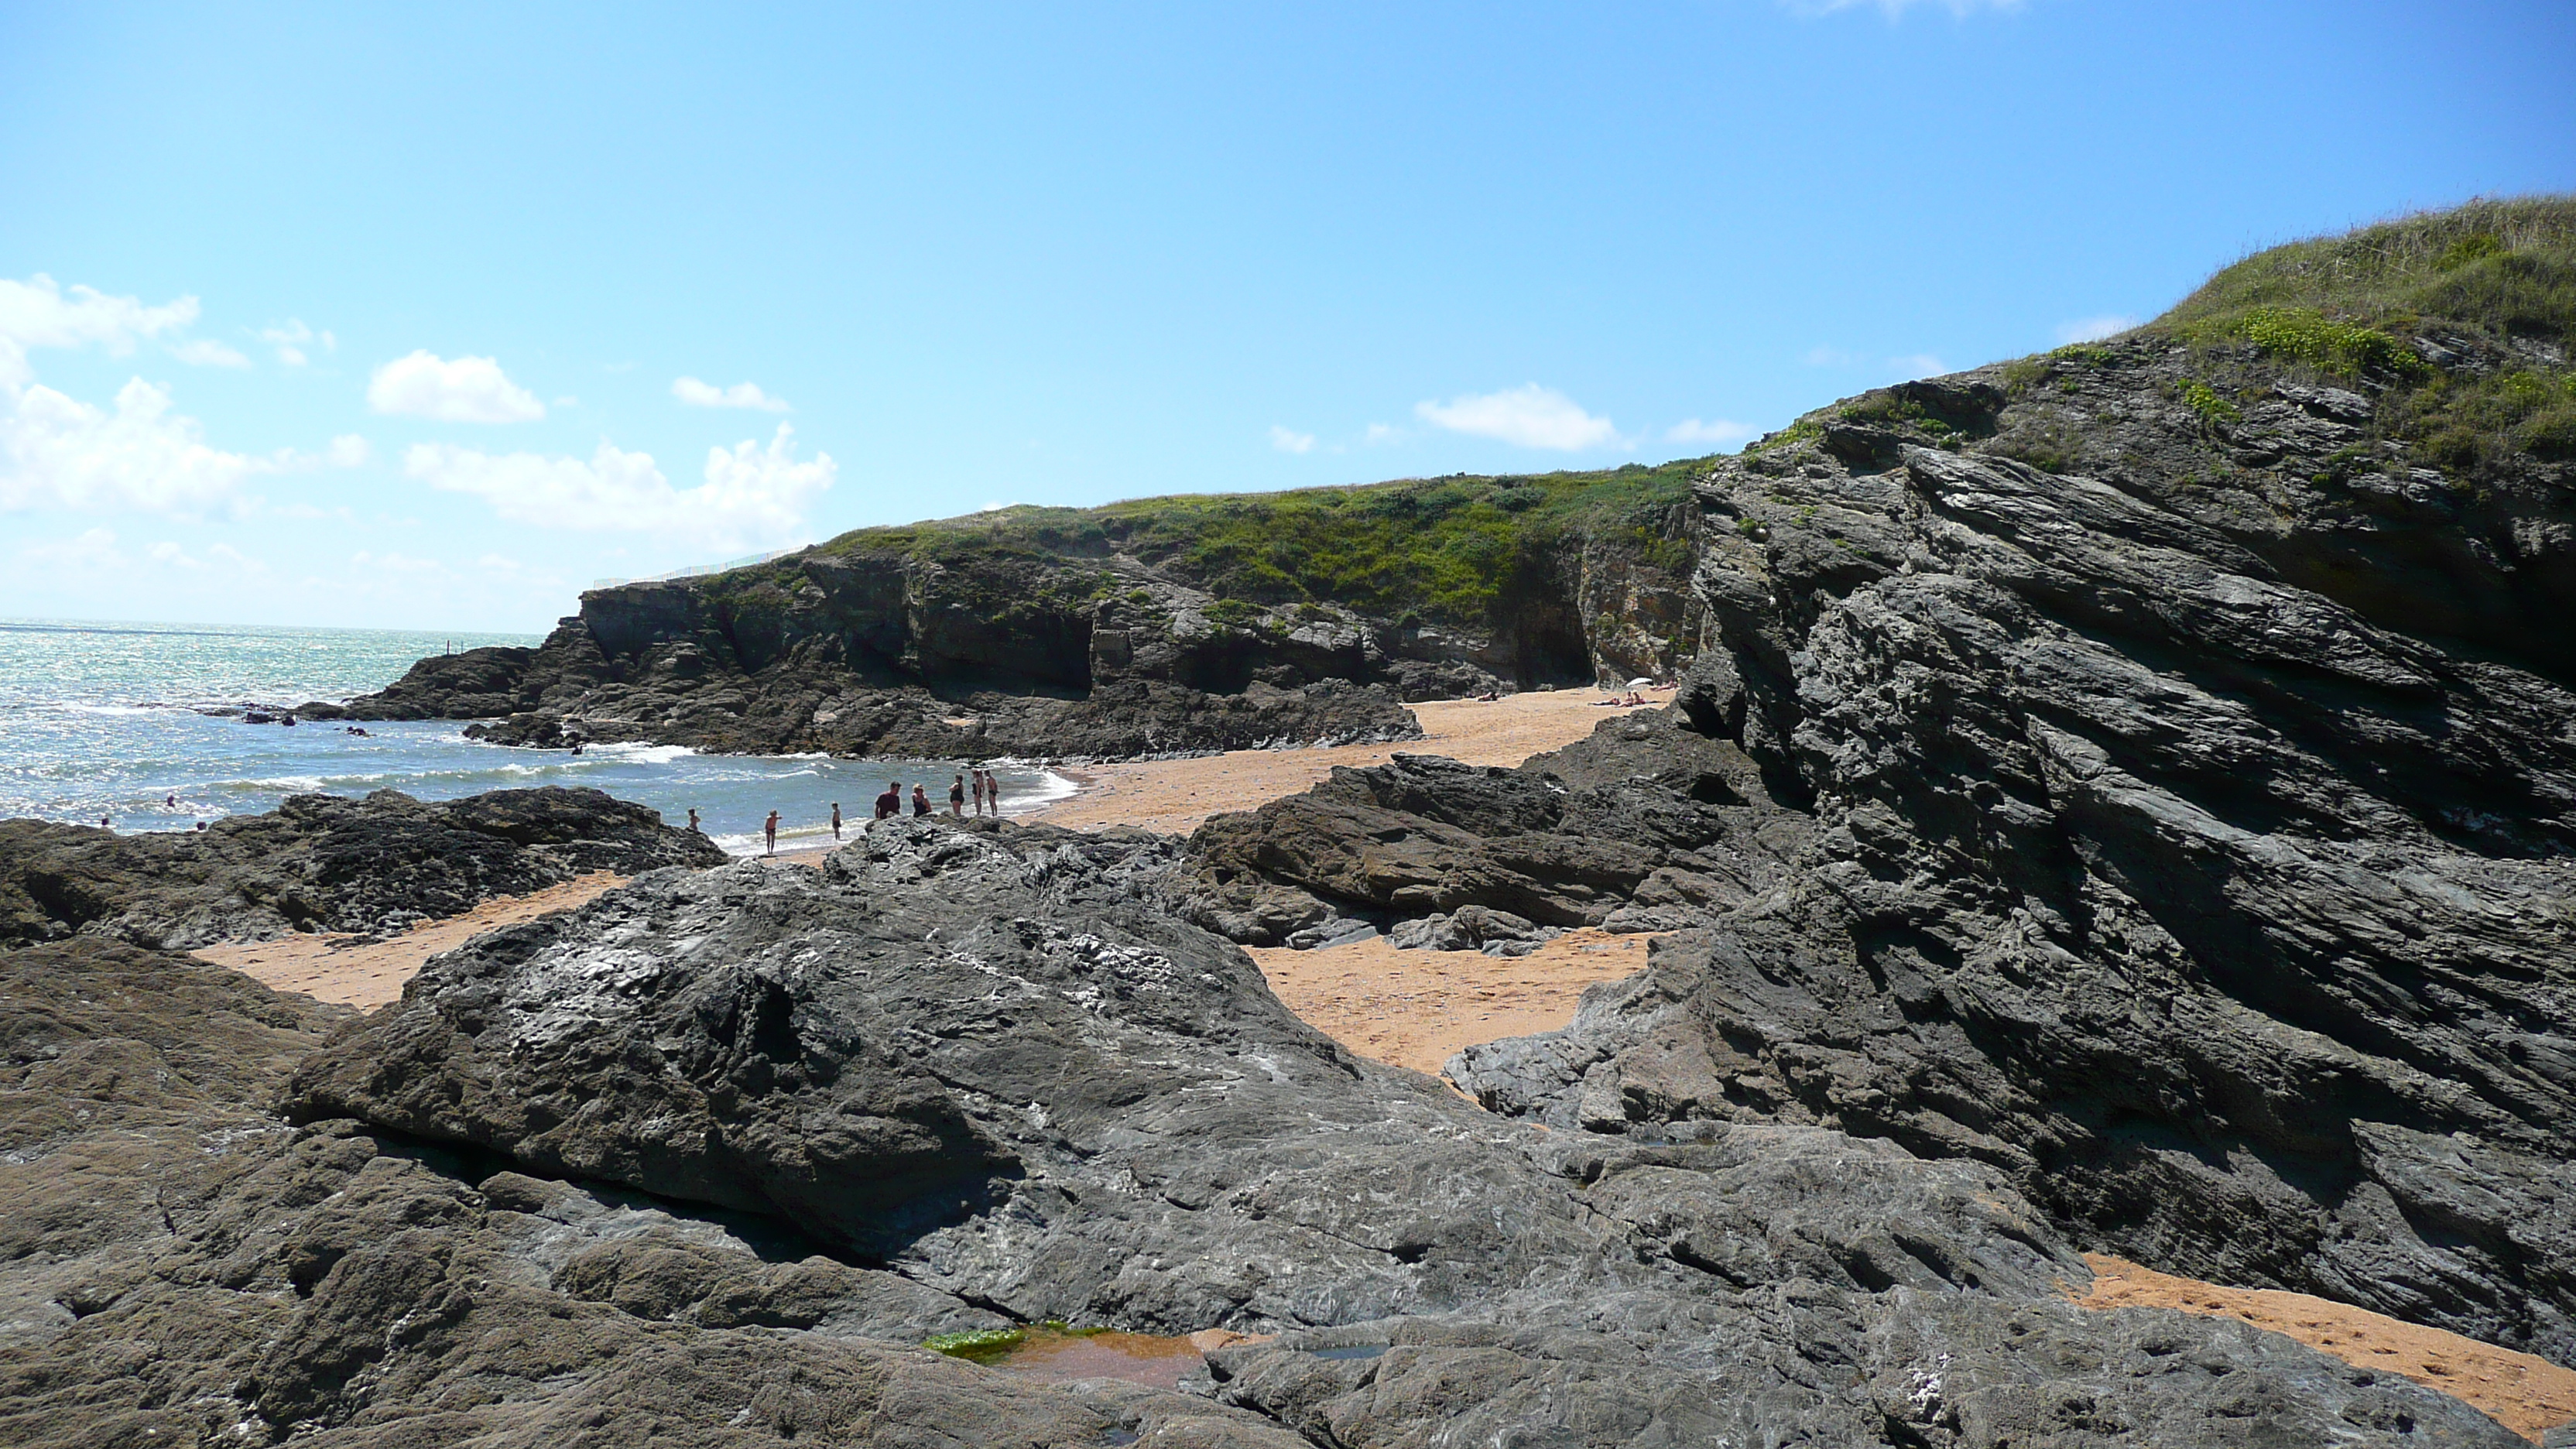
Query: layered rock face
[991,1062]
[2167,856]
[322,863]
[1074,646]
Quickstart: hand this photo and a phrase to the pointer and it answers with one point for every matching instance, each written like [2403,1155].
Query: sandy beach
[1174,796]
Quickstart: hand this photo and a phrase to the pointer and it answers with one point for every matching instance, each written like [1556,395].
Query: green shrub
[2304,334]
[1802,431]
[2551,434]
[2201,398]
[2476,246]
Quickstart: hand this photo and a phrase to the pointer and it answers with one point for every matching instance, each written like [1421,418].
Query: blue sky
[430,318]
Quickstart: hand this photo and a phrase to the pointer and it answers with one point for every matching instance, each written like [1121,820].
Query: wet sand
[2525,1394]
[1174,796]
[1417,1008]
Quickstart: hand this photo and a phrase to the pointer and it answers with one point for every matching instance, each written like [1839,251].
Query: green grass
[1437,549]
[2343,309]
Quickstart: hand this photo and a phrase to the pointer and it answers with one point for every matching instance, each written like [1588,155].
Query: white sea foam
[641,754]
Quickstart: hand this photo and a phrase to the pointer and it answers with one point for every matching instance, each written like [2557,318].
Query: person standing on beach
[993,791]
[957,797]
[920,801]
[836,820]
[891,802]
[978,772]
[770,828]
[693,822]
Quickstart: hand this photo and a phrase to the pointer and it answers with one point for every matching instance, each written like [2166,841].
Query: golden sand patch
[2526,1394]
[1174,796]
[1416,1008]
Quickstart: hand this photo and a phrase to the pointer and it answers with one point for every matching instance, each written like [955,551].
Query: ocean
[108,720]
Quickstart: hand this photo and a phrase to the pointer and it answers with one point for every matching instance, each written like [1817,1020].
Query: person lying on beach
[920,801]
[891,802]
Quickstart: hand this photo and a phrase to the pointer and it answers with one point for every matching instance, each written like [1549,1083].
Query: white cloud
[752,495]
[38,313]
[56,451]
[741,395]
[2094,329]
[1288,441]
[95,549]
[1919,364]
[1719,431]
[1381,433]
[1894,9]
[293,338]
[467,390]
[998,507]
[222,557]
[1829,357]
[200,352]
[1528,416]
[348,451]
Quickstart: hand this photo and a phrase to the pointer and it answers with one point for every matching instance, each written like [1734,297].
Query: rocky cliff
[1141,628]
[2183,724]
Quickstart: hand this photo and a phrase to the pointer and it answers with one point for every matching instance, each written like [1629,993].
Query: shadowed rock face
[322,863]
[2229,920]
[1137,1133]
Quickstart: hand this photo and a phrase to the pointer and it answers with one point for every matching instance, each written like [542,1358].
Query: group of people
[985,792]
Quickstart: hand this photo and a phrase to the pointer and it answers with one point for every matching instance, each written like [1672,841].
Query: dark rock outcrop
[2213,893]
[322,863]
[1644,826]
[177,1266]
[1155,1142]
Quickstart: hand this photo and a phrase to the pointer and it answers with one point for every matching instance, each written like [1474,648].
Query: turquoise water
[106,719]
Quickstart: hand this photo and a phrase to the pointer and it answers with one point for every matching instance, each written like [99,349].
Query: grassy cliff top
[1441,549]
[2508,267]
